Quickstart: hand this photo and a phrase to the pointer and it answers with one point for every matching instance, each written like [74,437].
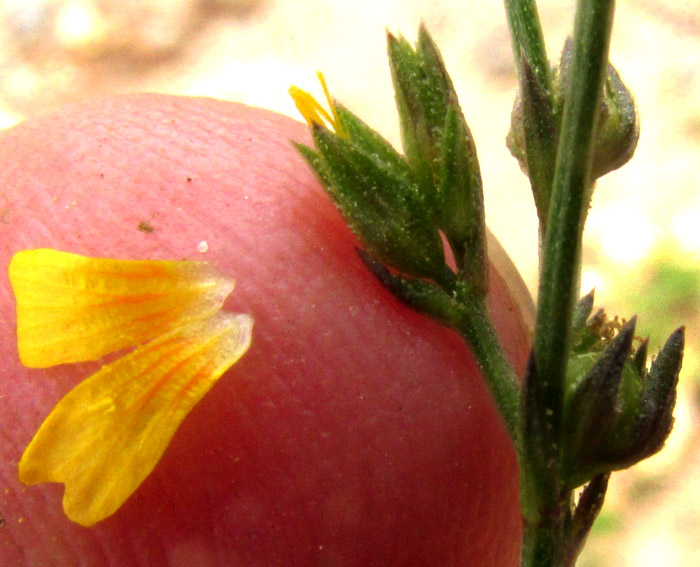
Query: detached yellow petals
[72,308]
[106,435]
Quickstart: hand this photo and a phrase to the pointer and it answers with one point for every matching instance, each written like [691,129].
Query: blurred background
[642,251]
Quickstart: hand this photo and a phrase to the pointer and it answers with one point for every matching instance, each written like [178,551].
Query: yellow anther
[313,112]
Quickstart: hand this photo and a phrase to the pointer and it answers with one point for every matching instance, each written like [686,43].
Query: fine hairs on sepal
[402,206]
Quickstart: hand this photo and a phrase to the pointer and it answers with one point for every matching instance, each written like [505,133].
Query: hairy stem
[528,41]
[475,326]
[545,529]
[570,198]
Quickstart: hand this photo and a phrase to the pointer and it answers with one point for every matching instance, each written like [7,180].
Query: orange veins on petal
[73,308]
[106,435]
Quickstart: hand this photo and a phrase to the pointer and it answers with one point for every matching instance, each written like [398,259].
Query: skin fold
[354,432]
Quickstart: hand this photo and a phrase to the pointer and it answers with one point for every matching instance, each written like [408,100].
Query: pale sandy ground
[53,52]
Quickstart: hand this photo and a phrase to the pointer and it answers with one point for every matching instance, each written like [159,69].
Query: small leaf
[533,137]
[589,505]
[541,451]
[425,297]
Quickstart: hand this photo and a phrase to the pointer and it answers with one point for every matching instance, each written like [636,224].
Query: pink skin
[354,432]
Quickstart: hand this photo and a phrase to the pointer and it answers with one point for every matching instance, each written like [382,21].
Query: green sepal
[640,358]
[382,206]
[441,152]
[423,89]
[591,408]
[617,132]
[314,161]
[646,433]
[461,201]
[371,142]
[532,138]
[616,412]
[422,296]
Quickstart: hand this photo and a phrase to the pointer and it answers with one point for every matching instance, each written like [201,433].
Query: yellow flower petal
[72,308]
[106,435]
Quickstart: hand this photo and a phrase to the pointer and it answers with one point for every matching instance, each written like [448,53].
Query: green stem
[558,290]
[536,100]
[461,307]
[570,196]
[475,326]
[526,34]
[543,541]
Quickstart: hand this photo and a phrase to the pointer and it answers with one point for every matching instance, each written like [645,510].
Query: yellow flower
[311,109]
[106,435]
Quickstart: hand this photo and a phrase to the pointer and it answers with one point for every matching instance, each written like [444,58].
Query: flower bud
[618,122]
[440,151]
[616,413]
[380,201]
[536,123]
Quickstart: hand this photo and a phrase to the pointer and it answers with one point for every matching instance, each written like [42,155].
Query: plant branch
[546,538]
[570,195]
[462,308]
[475,326]
[528,41]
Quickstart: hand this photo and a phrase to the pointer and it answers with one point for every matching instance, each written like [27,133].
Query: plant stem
[545,540]
[537,101]
[475,326]
[526,34]
[570,195]
[543,543]
[460,306]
